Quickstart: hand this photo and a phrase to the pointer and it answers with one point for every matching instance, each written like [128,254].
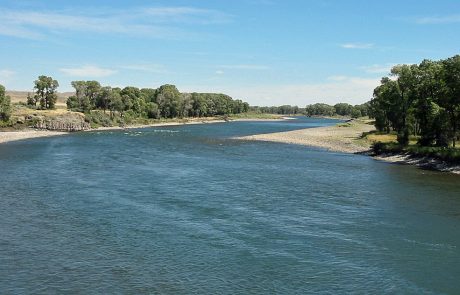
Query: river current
[189,210]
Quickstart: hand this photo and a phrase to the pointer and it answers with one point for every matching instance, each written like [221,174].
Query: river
[189,210]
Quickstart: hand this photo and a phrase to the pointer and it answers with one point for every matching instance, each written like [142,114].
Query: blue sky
[266,52]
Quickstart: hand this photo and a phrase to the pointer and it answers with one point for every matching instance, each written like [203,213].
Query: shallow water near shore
[188,210]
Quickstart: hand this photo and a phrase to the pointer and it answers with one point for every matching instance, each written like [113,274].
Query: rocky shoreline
[428,163]
[347,138]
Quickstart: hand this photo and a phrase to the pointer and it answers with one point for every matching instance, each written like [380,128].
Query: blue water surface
[189,210]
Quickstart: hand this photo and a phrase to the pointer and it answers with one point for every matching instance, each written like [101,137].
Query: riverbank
[344,137]
[348,138]
[8,136]
[428,163]
[28,133]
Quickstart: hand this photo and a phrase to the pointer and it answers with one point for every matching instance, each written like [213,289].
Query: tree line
[279,110]
[420,99]
[341,109]
[163,102]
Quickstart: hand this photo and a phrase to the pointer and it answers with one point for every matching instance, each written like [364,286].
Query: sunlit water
[188,210]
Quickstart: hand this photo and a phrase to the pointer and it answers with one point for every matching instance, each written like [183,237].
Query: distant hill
[21,96]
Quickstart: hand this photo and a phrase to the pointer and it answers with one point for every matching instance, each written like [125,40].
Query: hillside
[21,96]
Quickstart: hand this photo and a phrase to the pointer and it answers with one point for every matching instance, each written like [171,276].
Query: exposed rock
[68,122]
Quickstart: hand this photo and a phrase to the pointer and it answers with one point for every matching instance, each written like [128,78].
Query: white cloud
[446,19]
[219,72]
[357,45]
[88,71]
[354,90]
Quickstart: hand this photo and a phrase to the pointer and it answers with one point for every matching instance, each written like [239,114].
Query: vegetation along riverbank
[413,116]
[46,112]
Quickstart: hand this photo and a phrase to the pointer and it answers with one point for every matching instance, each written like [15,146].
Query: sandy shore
[336,138]
[8,136]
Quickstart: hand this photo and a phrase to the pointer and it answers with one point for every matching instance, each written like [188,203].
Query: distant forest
[318,109]
[421,100]
[104,104]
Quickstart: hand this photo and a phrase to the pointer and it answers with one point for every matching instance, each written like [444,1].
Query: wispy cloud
[156,22]
[245,67]
[18,32]
[88,72]
[357,45]
[446,19]
[220,72]
[187,15]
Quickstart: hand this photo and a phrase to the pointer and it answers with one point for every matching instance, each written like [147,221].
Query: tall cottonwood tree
[45,92]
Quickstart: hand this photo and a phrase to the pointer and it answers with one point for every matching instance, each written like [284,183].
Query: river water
[188,210]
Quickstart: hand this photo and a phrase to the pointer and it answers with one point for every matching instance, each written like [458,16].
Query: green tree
[152,110]
[31,100]
[168,98]
[103,98]
[5,105]
[87,95]
[343,109]
[79,102]
[92,92]
[319,109]
[355,113]
[116,103]
[45,91]
[199,105]
[450,98]
[386,106]
[406,82]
